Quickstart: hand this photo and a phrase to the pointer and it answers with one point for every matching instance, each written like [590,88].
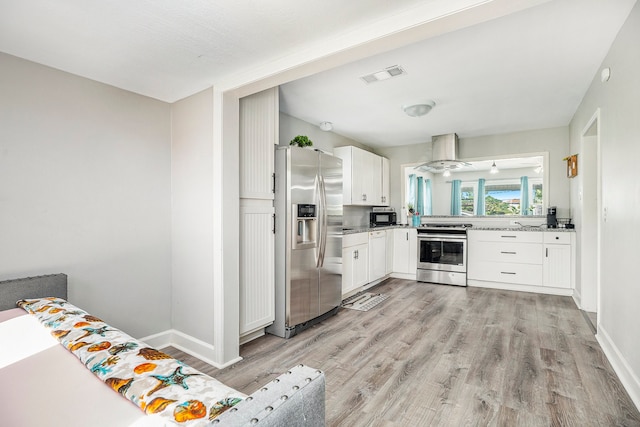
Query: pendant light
[494,168]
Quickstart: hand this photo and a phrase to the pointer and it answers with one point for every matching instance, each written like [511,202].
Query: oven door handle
[442,238]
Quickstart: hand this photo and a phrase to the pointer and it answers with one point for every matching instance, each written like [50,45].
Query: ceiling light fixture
[418,110]
[494,168]
[446,173]
[326,126]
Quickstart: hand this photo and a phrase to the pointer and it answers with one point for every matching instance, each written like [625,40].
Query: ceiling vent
[385,74]
[445,155]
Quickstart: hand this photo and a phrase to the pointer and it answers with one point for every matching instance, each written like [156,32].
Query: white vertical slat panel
[557,268]
[257,290]
[258,136]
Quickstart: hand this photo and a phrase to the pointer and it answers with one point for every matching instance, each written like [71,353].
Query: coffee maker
[552,220]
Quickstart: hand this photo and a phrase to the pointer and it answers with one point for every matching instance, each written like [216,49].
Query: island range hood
[445,155]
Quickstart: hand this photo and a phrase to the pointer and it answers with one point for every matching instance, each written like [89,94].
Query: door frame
[588,132]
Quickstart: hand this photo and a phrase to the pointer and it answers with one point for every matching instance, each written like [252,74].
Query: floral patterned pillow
[154,381]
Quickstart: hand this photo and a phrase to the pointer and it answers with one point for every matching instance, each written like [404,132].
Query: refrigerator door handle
[319,222]
[323,221]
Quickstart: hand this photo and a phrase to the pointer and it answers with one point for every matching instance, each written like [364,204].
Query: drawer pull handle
[508,252]
[507,272]
[513,237]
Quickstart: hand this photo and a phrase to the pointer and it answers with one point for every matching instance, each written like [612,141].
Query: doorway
[590,198]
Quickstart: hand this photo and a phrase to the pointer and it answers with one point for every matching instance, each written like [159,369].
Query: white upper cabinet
[258,135]
[385,181]
[365,177]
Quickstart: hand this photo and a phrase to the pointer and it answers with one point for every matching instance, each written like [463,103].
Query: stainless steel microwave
[382,218]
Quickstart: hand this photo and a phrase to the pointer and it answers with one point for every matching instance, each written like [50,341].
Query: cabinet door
[557,266]
[401,255]
[377,255]
[348,261]
[354,267]
[389,250]
[373,187]
[258,136]
[361,270]
[384,181]
[257,288]
[413,251]
[364,175]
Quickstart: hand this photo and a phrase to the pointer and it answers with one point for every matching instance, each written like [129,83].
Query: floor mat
[364,302]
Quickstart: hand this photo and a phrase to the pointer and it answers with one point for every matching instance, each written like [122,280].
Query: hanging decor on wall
[572,165]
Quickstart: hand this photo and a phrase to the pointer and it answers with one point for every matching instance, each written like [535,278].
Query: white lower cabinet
[557,261]
[530,259]
[355,261]
[389,249]
[405,251]
[377,255]
[257,276]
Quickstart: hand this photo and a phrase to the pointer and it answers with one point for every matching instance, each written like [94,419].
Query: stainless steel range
[442,254]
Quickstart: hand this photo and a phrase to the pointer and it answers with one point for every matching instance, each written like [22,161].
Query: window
[502,197]
[468,199]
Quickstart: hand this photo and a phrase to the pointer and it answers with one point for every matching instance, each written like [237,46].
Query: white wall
[290,127]
[85,190]
[555,141]
[192,213]
[618,101]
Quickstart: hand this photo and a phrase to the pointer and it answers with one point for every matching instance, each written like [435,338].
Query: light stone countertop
[365,229]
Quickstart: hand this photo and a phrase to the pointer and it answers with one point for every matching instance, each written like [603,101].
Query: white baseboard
[520,288]
[190,345]
[405,276]
[251,336]
[628,378]
[577,298]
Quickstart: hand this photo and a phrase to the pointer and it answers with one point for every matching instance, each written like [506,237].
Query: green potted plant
[301,141]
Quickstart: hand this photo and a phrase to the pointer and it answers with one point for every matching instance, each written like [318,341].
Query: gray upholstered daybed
[61,366]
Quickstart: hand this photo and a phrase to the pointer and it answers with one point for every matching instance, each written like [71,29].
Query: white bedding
[35,392]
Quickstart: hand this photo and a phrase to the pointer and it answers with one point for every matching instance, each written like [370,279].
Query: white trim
[190,345]
[406,276]
[520,288]
[252,336]
[595,119]
[159,340]
[628,378]
[577,298]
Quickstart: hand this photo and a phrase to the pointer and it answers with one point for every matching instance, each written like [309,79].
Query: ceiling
[527,69]
[172,49]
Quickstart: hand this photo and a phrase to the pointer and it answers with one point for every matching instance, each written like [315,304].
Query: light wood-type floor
[449,356]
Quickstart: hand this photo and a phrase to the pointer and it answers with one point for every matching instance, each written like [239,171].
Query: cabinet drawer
[377,234]
[355,239]
[558,238]
[507,252]
[505,236]
[520,274]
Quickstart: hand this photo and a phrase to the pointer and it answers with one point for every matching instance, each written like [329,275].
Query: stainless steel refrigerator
[308,248]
